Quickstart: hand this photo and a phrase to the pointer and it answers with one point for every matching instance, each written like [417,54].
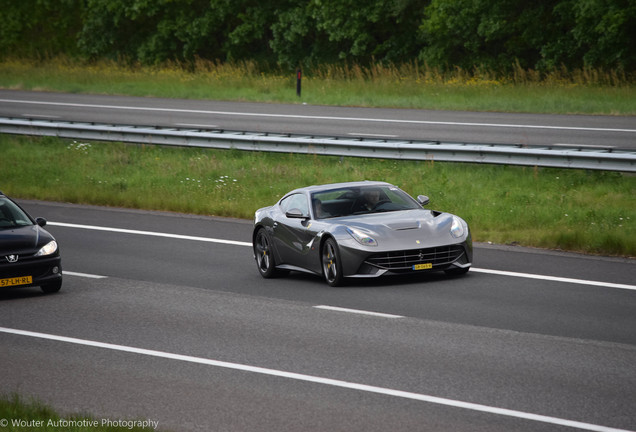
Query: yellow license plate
[423,266]
[22,280]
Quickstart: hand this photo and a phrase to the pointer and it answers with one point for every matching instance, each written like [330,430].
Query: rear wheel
[331,265]
[263,254]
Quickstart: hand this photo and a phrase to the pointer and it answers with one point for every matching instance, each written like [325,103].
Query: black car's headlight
[47,249]
[362,237]
[457,228]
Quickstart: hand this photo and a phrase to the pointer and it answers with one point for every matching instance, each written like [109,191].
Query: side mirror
[423,200]
[40,221]
[296,214]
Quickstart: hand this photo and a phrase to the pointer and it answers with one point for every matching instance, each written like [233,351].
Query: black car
[29,255]
[358,230]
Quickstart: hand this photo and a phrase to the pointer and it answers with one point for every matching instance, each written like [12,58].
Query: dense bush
[492,34]
[34,28]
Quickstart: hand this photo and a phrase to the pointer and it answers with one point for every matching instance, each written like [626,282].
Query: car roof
[330,186]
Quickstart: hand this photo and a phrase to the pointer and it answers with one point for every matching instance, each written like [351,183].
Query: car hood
[23,239]
[405,229]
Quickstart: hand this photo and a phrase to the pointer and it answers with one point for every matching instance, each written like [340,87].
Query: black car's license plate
[22,280]
[426,266]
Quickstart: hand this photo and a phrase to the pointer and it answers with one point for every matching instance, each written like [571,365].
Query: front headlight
[48,249]
[362,237]
[457,228]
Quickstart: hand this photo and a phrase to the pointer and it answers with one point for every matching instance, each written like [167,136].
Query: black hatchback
[29,255]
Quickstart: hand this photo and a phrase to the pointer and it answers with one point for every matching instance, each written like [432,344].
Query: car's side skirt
[295,268]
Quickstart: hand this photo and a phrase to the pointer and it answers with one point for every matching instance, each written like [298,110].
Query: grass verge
[404,86]
[17,414]
[586,211]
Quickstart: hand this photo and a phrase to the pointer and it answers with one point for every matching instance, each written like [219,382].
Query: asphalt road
[446,126]
[181,329]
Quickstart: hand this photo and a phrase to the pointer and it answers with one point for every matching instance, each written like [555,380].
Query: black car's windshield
[11,215]
[360,200]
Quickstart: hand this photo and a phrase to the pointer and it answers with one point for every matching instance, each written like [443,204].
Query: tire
[52,287]
[263,254]
[331,265]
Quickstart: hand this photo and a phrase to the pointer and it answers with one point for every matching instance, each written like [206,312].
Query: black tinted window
[11,215]
[361,200]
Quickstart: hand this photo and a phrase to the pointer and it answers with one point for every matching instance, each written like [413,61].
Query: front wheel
[331,265]
[52,287]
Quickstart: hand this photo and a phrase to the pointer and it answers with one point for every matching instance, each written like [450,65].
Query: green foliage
[607,31]
[39,28]
[183,30]
[150,31]
[375,29]
[330,31]
[492,34]
[539,34]
[592,33]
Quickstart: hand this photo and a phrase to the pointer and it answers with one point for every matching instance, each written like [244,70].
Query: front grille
[28,266]
[406,259]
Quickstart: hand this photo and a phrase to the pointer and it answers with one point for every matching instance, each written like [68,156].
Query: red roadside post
[298,78]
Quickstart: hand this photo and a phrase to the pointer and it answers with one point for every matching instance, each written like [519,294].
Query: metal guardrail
[599,158]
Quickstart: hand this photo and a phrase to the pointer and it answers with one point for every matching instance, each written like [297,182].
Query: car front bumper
[42,270]
[359,263]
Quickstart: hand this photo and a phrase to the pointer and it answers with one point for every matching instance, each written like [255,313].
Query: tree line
[492,34]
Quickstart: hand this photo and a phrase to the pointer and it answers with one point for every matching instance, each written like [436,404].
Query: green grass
[17,415]
[587,211]
[405,86]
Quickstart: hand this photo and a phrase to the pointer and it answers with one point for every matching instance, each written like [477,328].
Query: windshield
[11,215]
[360,200]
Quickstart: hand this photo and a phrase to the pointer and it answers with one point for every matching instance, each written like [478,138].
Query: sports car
[29,255]
[358,230]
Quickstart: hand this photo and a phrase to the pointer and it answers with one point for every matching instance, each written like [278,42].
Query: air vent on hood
[404,225]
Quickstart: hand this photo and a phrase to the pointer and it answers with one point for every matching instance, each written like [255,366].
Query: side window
[295,201]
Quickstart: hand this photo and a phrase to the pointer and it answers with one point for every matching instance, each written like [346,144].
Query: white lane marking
[41,116]
[248,244]
[196,125]
[371,135]
[319,380]
[585,145]
[84,275]
[297,116]
[357,311]
[150,233]
[555,279]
